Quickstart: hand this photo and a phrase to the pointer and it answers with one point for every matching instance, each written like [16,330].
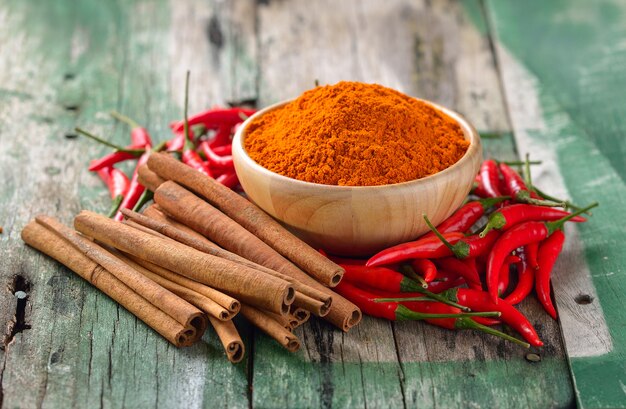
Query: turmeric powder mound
[355,134]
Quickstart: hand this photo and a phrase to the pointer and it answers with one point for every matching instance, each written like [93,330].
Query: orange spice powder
[355,134]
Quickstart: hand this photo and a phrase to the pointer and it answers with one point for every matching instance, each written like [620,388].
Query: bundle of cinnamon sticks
[201,254]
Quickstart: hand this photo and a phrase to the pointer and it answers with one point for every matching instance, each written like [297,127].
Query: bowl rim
[469,132]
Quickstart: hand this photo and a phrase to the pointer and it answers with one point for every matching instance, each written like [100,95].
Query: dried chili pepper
[518,236]
[431,247]
[548,253]
[509,216]
[394,311]
[467,215]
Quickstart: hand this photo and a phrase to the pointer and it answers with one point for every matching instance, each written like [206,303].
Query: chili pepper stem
[460,249]
[520,163]
[146,196]
[185,114]
[557,225]
[405,314]
[568,204]
[115,205]
[466,323]
[488,202]
[496,221]
[527,177]
[118,148]
[523,196]
[123,118]
[408,271]
[419,288]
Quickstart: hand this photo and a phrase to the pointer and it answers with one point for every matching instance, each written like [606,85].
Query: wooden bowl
[358,220]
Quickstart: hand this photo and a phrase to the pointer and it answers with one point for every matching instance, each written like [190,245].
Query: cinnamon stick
[219,297]
[204,303]
[49,243]
[229,336]
[212,223]
[148,178]
[165,228]
[155,212]
[271,327]
[315,306]
[250,217]
[246,284]
[289,322]
[160,297]
[300,314]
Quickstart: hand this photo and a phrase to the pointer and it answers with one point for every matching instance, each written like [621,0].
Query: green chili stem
[556,225]
[115,205]
[118,148]
[466,323]
[568,204]
[520,163]
[123,118]
[460,249]
[146,196]
[403,313]
[527,177]
[188,143]
[408,271]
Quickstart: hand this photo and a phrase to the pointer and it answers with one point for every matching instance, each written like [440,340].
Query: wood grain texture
[556,117]
[361,220]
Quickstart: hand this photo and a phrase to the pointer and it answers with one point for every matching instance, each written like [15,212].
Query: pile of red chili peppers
[207,148]
[507,228]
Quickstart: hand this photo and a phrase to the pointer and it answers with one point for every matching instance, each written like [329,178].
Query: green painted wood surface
[64,63]
[569,58]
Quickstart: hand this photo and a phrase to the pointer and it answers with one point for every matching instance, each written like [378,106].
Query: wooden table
[545,77]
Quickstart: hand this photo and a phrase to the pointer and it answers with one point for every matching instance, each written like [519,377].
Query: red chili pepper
[505,273]
[525,280]
[430,247]
[229,179]
[224,150]
[532,250]
[478,189]
[118,183]
[215,117]
[139,135]
[481,301]
[548,253]
[466,270]
[135,190]
[509,216]
[469,246]
[177,142]
[394,311]
[444,281]
[489,178]
[517,189]
[518,236]
[385,279]
[222,136]
[111,159]
[425,268]
[466,216]
[190,157]
[215,159]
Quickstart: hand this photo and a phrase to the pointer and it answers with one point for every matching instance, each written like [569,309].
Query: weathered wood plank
[65,64]
[433,50]
[552,87]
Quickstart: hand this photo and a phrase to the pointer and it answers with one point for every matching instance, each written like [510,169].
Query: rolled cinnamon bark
[271,327]
[289,322]
[160,297]
[49,243]
[250,217]
[246,284]
[300,314]
[165,228]
[315,306]
[155,212]
[204,303]
[212,223]
[229,336]
[148,178]
[219,297]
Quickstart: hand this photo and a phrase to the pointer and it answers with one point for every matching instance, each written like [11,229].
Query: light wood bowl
[358,220]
